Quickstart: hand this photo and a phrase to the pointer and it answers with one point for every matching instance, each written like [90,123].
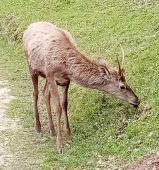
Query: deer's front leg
[58,111]
[64,104]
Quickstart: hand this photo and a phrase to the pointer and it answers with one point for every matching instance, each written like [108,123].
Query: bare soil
[6,125]
[149,162]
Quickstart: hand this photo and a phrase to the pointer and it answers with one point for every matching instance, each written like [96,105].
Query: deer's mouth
[135,104]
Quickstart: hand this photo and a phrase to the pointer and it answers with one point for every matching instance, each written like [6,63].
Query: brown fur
[52,53]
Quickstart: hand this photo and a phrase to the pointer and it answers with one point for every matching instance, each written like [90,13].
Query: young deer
[51,52]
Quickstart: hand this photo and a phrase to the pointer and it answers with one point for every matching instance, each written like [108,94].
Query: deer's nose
[136,104]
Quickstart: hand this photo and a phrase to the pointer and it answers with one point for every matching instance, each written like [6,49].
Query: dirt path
[6,125]
[148,162]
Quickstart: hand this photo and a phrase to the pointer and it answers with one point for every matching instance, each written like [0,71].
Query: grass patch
[101,125]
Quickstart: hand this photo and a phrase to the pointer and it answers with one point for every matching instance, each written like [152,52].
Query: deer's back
[45,44]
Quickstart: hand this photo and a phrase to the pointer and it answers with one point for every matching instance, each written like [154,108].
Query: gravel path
[6,125]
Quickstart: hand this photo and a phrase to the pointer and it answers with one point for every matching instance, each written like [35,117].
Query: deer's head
[114,82]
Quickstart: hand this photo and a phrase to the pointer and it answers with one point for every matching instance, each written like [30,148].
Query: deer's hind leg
[34,78]
[47,96]
[58,110]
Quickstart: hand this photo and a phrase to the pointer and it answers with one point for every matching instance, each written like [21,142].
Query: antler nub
[122,61]
[121,65]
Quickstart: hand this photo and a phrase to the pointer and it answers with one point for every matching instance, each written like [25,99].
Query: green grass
[101,125]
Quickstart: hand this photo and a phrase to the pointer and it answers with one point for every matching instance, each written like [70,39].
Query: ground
[149,162]
[107,133]
[6,157]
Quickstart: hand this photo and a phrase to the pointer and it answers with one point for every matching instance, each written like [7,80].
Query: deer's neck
[83,71]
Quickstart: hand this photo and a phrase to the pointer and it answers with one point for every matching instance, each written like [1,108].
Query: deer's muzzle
[136,103]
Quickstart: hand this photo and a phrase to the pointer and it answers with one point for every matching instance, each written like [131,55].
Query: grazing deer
[51,52]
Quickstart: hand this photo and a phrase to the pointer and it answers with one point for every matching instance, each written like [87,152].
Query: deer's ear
[104,72]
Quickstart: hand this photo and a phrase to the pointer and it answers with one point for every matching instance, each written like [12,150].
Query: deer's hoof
[39,135]
[68,145]
[53,138]
[69,141]
[60,150]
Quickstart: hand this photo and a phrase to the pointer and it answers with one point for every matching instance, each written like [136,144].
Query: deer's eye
[122,87]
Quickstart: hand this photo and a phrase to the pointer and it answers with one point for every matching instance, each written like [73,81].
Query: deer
[51,52]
